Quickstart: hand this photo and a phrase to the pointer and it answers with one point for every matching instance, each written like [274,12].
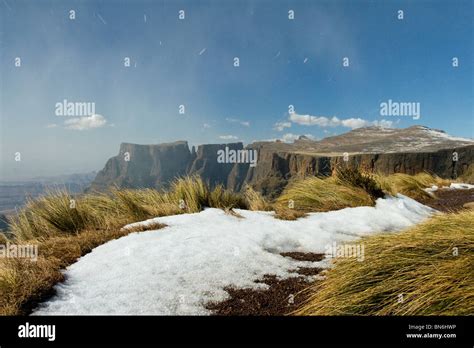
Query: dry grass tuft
[233,213]
[285,213]
[410,185]
[226,199]
[151,226]
[255,201]
[468,176]
[415,272]
[190,192]
[316,194]
[354,178]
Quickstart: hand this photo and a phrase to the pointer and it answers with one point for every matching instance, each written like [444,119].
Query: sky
[334,62]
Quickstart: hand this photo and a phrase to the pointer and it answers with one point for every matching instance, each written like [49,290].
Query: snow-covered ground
[178,269]
[434,133]
[453,186]
[458,186]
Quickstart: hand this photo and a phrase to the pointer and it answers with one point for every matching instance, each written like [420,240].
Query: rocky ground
[450,201]
[282,296]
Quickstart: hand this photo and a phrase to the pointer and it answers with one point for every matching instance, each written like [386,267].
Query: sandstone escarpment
[140,166]
[155,166]
[205,163]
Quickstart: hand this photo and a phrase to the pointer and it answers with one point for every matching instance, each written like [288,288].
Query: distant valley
[13,194]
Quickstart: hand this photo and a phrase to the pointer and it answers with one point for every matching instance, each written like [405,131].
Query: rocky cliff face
[413,150]
[205,163]
[139,166]
[273,172]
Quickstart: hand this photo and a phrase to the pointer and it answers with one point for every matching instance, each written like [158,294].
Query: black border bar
[291,331]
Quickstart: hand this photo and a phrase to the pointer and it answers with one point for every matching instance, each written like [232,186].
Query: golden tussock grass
[59,213]
[286,213]
[315,194]
[410,185]
[151,226]
[255,200]
[351,177]
[426,270]
[226,199]
[468,176]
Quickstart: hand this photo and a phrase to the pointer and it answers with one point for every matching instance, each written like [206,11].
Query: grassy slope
[67,227]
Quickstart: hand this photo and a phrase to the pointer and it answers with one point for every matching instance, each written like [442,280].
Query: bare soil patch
[281,298]
[450,201]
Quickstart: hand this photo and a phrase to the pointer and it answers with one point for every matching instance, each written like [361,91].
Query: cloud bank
[323,121]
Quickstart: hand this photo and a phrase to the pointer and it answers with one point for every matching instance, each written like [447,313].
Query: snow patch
[438,134]
[453,186]
[178,269]
[431,189]
[460,186]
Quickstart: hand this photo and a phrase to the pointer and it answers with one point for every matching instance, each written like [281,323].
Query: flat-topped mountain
[144,166]
[376,149]
[376,140]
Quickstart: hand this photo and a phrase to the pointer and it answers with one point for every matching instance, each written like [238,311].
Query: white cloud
[308,120]
[235,120]
[228,137]
[206,126]
[323,121]
[280,126]
[354,123]
[51,125]
[84,123]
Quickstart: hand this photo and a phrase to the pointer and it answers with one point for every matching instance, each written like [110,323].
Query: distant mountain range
[13,194]
[376,149]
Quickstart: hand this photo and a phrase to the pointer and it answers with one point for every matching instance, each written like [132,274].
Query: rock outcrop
[140,166]
[412,150]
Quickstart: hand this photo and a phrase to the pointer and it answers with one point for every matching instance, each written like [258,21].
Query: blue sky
[190,62]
